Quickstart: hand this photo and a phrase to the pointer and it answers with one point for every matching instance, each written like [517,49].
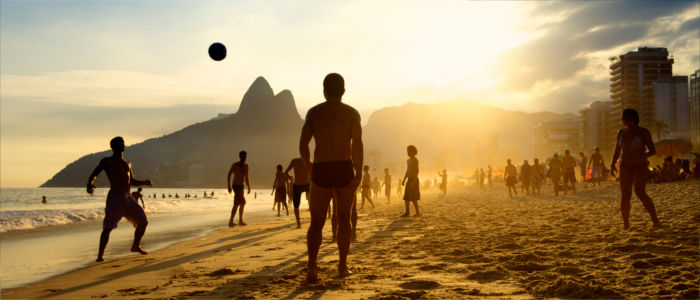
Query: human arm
[616,155]
[228,178]
[136,182]
[93,177]
[247,181]
[289,167]
[649,143]
[306,134]
[357,151]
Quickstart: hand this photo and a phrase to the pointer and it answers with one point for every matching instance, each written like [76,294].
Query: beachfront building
[556,136]
[594,127]
[630,73]
[694,100]
[667,100]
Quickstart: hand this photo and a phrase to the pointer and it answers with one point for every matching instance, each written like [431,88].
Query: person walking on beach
[279,189]
[511,178]
[634,147]
[490,174]
[597,168]
[366,188]
[482,176]
[525,176]
[300,185]
[399,190]
[555,171]
[137,195]
[569,164]
[443,182]
[582,166]
[387,185]
[337,168]
[410,180]
[239,170]
[537,172]
[119,201]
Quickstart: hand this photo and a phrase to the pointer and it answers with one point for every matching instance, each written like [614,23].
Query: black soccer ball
[217,51]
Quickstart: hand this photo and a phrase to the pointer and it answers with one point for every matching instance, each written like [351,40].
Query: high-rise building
[594,126]
[694,100]
[556,136]
[629,74]
[668,98]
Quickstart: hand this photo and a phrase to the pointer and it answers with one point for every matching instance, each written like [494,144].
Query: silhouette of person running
[119,201]
[511,174]
[634,147]
[239,170]
[410,179]
[137,195]
[301,184]
[336,168]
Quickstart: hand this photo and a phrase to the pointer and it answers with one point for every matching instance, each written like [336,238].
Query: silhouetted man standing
[337,167]
[119,201]
[239,170]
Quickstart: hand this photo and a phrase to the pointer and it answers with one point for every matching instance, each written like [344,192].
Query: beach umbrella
[673,147]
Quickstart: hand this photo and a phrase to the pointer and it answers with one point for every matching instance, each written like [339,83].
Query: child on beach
[511,174]
[387,185]
[279,189]
[366,187]
[412,193]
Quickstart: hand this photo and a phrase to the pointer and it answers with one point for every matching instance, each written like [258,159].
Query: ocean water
[69,224]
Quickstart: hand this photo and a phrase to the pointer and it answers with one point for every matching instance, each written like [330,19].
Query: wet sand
[470,244]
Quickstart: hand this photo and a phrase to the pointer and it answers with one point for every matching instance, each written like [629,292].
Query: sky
[75,73]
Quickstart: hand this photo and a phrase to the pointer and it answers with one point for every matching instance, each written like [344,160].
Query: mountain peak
[258,95]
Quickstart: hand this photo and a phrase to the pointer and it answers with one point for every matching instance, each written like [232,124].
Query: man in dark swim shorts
[336,168]
[301,184]
[239,170]
[119,201]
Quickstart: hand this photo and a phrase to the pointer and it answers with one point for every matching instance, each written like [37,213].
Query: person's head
[386,170]
[333,86]
[597,149]
[242,155]
[140,189]
[536,161]
[566,152]
[630,117]
[525,162]
[117,144]
[365,168]
[508,161]
[555,155]
[581,154]
[411,150]
[279,168]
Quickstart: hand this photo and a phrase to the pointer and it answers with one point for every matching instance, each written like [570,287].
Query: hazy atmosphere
[72,71]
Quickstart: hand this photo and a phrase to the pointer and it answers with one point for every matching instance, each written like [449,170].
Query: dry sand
[470,244]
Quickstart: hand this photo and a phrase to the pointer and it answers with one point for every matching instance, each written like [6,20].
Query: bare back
[333,125]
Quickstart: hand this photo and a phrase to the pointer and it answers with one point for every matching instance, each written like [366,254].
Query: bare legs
[135,247]
[634,176]
[238,207]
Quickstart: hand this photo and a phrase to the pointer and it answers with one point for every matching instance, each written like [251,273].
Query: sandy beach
[469,244]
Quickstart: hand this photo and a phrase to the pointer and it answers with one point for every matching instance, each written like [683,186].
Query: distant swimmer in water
[279,189]
[511,174]
[569,164]
[410,180]
[137,195]
[337,168]
[634,146]
[239,170]
[366,188]
[387,185]
[119,201]
[596,165]
[555,171]
[43,199]
[300,185]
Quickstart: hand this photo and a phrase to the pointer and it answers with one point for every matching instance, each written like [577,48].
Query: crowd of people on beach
[337,174]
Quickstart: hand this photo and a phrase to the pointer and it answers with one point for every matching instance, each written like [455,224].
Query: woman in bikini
[634,147]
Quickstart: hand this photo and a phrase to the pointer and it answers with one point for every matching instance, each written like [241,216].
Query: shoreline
[470,244]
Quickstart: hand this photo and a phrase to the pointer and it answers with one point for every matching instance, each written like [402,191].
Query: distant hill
[266,125]
[446,134]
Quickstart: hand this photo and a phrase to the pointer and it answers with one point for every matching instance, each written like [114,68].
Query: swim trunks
[332,174]
[412,191]
[238,197]
[296,193]
[569,175]
[511,180]
[122,205]
[597,171]
[387,189]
